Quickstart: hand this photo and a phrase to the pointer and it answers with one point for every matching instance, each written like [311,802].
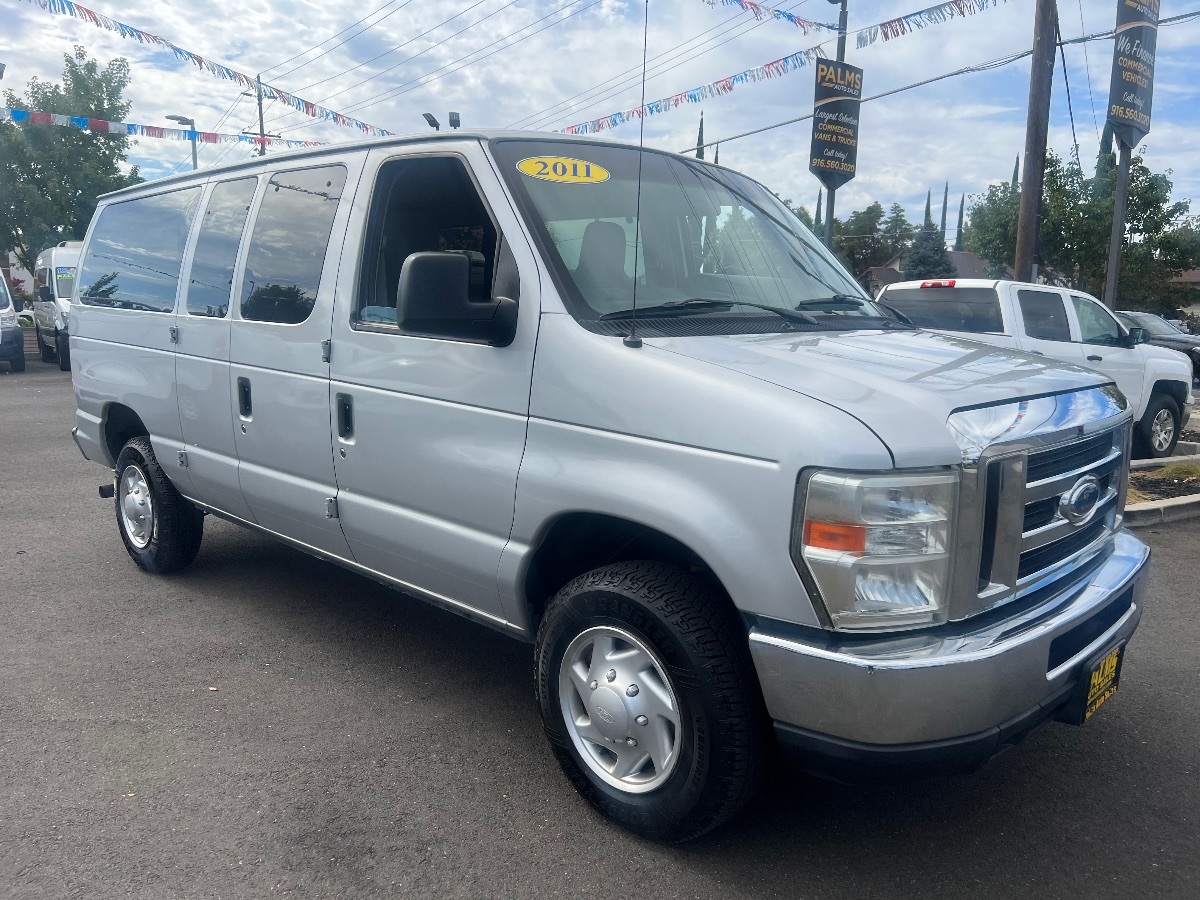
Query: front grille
[1026,539]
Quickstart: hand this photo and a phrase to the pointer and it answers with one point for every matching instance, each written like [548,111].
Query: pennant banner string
[68,8]
[766,12]
[889,30]
[130,129]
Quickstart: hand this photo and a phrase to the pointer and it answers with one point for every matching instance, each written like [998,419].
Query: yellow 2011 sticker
[563,170]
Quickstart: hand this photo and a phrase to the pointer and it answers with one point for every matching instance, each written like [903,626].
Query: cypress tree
[959,238]
[945,203]
[928,209]
[1016,182]
[818,219]
[700,138]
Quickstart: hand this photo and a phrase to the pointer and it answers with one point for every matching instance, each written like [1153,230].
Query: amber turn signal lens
[833,536]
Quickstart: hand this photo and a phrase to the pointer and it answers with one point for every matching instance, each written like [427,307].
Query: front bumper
[951,697]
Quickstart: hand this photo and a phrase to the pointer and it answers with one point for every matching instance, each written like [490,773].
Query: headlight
[8,318]
[877,547]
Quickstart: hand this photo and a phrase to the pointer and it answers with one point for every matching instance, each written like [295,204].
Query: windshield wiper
[698,305]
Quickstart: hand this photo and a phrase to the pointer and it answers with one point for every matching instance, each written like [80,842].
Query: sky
[966,130]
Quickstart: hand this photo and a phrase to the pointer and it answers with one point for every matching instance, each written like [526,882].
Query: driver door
[1103,344]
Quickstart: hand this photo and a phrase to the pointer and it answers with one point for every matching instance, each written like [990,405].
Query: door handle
[245,403]
[1037,352]
[1096,358]
[345,417]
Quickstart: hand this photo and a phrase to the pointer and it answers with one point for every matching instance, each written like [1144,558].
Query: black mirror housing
[1136,336]
[433,300]
[45,294]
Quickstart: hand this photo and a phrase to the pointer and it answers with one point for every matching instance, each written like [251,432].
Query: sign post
[1130,96]
[833,157]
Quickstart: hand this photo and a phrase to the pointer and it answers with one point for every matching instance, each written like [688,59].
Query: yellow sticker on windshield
[562,169]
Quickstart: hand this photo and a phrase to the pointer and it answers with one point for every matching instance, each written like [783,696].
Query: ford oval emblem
[604,714]
[1078,504]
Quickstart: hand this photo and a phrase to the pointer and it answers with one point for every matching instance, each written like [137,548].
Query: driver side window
[1096,326]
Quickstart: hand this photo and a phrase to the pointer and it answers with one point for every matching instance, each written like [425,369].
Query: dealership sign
[834,154]
[1131,89]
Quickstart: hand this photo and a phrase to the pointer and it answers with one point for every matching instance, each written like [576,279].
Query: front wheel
[44,350]
[1158,431]
[160,529]
[649,699]
[62,345]
[17,363]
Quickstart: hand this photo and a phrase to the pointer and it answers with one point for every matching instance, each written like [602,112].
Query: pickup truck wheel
[62,346]
[17,363]
[1158,431]
[649,699]
[160,529]
[44,349]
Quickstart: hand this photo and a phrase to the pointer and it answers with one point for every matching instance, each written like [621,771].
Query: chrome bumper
[958,681]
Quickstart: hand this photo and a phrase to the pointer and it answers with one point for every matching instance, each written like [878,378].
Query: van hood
[903,385]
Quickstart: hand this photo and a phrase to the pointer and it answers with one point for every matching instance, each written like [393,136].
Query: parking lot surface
[266,724]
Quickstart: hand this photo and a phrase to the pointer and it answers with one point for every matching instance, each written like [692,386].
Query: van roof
[978,283]
[481,134]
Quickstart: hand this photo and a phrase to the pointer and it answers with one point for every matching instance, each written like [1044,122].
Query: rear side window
[136,251]
[1045,316]
[64,280]
[211,278]
[288,244]
[974,309]
[1096,326]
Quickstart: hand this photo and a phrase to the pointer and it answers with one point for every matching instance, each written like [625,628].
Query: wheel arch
[1176,390]
[118,424]
[579,541]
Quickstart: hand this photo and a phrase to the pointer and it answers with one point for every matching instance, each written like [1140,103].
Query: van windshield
[64,280]
[716,253]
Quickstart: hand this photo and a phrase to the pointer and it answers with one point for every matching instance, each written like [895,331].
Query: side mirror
[45,294]
[433,299]
[1137,336]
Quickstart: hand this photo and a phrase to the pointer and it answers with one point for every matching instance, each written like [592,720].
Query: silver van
[622,406]
[55,274]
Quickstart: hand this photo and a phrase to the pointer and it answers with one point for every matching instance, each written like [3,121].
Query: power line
[397,90]
[1067,84]
[979,67]
[723,26]
[340,43]
[1088,69]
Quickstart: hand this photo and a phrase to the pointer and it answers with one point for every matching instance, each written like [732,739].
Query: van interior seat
[600,274]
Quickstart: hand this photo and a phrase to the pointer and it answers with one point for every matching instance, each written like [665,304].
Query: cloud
[964,130]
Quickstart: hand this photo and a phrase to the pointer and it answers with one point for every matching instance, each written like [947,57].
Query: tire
[1158,431]
[44,349]
[160,529]
[690,658]
[17,363]
[62,347]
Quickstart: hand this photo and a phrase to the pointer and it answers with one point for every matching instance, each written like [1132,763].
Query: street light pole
[841,56]
[191,126]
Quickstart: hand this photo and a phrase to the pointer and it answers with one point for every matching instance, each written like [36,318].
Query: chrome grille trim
[993,551]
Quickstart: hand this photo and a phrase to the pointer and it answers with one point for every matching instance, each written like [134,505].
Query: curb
[1158,512]
[1137,465]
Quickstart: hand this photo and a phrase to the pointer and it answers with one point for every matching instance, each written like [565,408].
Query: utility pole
[1117,237]
[1041,77]
[262,131]
[841,56]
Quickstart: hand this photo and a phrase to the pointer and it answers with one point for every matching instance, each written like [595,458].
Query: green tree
[50,176]
[897,230]
[959,236]
[801,213]
[928,257]
[945,203]
[860,240]
[993,231]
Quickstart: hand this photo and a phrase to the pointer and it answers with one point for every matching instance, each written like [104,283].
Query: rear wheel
[62,344]
[44,349]
[160,529]
[1158,431]
[649,700]
[18,363]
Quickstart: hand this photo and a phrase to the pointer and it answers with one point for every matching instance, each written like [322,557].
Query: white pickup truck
[1067,325]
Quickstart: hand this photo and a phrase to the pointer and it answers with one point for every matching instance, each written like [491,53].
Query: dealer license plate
[1098,684]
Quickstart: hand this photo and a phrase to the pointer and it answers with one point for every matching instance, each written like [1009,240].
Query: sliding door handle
[345,417]
[245,403]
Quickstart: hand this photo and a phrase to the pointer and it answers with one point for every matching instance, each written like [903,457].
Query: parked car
[12,338]
[55,275]
[1066,325]
[1161,333]
[625,407]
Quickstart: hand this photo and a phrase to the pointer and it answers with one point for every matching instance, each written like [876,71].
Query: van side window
[288,244]
[420,204]
[1045,316]
[136,252]
[211,278]
[1096,326]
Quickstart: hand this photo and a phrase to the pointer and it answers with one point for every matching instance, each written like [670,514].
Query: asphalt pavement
[266,724]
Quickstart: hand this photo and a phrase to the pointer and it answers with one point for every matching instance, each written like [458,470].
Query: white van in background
[55,273]
[1063,324]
